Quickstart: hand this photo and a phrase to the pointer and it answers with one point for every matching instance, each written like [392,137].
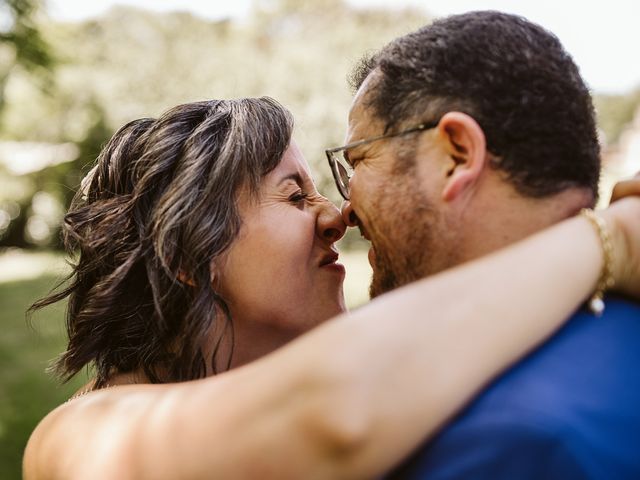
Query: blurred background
[72,72]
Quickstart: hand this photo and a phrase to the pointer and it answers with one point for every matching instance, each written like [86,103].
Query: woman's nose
[330,224]
[349,216]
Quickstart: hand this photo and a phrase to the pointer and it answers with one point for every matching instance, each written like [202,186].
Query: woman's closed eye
[298,197]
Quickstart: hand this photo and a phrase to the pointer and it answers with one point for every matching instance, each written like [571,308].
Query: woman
[204,245]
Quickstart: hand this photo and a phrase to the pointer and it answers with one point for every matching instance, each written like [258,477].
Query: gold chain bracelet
[606,280]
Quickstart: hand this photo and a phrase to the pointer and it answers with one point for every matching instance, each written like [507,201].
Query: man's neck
[508,220]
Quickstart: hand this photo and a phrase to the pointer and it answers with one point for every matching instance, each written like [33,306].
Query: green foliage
[31,49]
[22,43]
[132,63]
[136,63]
[57,184]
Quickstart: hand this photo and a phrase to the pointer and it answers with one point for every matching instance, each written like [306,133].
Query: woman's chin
[339,307]
[331,309]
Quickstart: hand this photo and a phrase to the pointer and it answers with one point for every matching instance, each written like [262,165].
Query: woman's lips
[329,262]
[334,267]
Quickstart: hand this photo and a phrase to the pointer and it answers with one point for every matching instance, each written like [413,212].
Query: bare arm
[354,396]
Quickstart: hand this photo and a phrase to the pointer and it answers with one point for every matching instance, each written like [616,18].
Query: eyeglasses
[341,167]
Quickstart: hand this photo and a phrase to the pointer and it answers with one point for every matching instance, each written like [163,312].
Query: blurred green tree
[22,44]
[22,50]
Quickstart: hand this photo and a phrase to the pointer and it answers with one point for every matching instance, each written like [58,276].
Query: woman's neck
[249,342]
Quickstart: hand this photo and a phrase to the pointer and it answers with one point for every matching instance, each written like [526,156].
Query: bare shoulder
[51,449]
[39,461]
[89,437]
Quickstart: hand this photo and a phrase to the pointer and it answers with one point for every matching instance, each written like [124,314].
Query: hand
[626,188]
[623,216]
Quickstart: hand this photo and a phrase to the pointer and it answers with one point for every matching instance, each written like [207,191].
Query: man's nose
[348,214]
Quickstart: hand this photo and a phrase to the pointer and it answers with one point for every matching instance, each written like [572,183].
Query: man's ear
[467,149]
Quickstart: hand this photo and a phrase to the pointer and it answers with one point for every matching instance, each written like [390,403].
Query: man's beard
[391,272]
[384,278]
[421,247]
[411,244]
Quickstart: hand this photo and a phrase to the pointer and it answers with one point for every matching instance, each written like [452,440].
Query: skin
[289,233]
[442,180]
[340,401]
[387,203]
[311,410]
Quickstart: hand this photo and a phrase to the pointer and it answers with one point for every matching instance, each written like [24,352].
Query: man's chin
[385,278]
[382,282]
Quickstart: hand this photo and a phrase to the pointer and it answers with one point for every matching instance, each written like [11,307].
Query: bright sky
[602,36]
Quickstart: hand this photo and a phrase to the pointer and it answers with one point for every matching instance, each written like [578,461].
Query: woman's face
[281,273]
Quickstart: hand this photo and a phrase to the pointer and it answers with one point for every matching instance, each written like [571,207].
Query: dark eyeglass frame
[342,175]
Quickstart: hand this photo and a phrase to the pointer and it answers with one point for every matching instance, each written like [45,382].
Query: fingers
[626,188]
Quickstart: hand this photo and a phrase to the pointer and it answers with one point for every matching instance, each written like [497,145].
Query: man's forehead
[357,112]
[358,104]
[362,121]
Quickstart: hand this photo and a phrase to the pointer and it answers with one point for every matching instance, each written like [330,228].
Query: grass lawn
[27,393]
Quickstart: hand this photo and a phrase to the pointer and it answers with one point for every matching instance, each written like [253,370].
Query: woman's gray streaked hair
[160,204]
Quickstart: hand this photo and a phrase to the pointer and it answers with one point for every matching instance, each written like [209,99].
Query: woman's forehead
[292,164]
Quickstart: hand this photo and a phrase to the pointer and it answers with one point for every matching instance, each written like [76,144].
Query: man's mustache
[363,232]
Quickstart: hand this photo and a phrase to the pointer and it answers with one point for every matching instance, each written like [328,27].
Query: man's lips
[364,233]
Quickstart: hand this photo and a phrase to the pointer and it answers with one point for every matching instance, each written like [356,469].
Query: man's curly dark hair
[512,76]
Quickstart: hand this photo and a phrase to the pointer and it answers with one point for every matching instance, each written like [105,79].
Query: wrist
[622,217]
[610,237]
[619,242]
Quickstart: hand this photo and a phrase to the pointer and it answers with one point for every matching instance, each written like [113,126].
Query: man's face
[395,203]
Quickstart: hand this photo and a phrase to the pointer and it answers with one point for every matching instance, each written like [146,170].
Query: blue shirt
[570,410]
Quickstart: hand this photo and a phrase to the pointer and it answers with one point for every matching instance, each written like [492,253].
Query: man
[465,136]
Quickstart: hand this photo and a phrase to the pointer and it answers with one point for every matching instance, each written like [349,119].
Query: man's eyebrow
[296,177]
